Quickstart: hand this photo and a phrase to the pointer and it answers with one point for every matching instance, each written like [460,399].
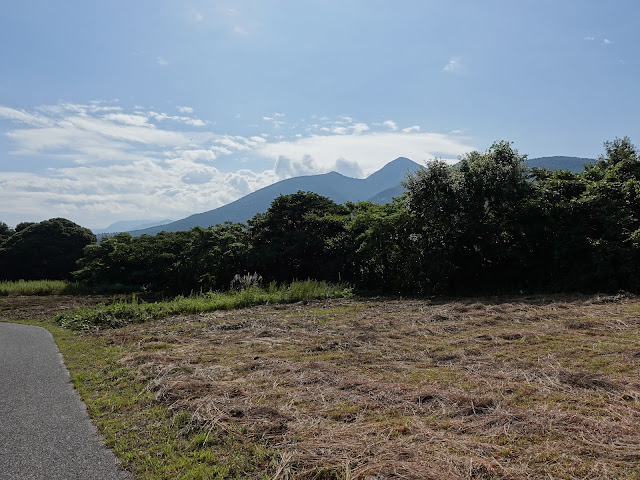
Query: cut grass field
[530,387]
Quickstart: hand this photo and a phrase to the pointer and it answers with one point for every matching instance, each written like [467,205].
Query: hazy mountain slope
[124,225]
[574,164]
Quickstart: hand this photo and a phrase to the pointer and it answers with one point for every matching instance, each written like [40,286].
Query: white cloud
[370,151]
[349,168]
[413,129]
[139,120]
[348,129]
[161,61]
[287,167]
[23,117]
[454,65]
[391,125]
[360,128]
[185,110]
[605,41]
[122,164]
[195,122]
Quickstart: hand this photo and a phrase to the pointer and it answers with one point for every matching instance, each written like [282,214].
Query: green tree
[301,235]
[46,250]
[385,254]
[22,225]
[170,262]
[472,218]
[5,232]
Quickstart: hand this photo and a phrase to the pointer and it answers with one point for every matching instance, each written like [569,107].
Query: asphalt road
[45,432]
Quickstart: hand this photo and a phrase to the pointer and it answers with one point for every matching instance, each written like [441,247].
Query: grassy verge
[124,312]
[152,441]
[40,287]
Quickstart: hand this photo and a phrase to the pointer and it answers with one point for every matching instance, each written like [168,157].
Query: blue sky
[159,109]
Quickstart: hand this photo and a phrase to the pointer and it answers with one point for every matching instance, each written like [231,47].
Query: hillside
[573,164]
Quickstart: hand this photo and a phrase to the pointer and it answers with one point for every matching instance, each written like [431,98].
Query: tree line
[486,224]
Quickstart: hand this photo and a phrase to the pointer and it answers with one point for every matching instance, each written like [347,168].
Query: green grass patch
[57,287]
[125,312]
[40,287]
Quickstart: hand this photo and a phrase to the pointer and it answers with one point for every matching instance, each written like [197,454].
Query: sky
[158,109]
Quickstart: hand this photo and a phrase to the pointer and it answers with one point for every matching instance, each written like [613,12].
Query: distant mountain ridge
[125,225]
[379,187]
[334,185]
[574,164]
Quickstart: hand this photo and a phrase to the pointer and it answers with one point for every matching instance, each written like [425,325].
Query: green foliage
[123,312]
[174,262]
[384,248]
[301,235]
[22,225]
[471,219]
[5,232]
[45,250]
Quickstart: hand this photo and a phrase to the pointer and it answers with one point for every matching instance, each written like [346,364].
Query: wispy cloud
[454,65]
[391,125]
[138,163]
[21,116]
[197,16]
[602,40]
[160,60]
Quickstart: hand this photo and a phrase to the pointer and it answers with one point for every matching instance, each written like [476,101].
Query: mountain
[337,187]
[124,225]
[574,164]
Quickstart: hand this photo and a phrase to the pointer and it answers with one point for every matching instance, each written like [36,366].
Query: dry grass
[519,388]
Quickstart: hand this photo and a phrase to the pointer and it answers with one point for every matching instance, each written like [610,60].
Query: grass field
[39,287]
[57,287]
[530,387]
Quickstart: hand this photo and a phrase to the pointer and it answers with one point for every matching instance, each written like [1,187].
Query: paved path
[45,432]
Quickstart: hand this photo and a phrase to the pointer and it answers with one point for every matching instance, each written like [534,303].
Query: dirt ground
[518,388]
[27,307]
[529,387]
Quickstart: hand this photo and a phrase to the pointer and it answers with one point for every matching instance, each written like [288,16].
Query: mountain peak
[393,172]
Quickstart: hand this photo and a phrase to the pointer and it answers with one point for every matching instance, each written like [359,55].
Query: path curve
[45,432]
